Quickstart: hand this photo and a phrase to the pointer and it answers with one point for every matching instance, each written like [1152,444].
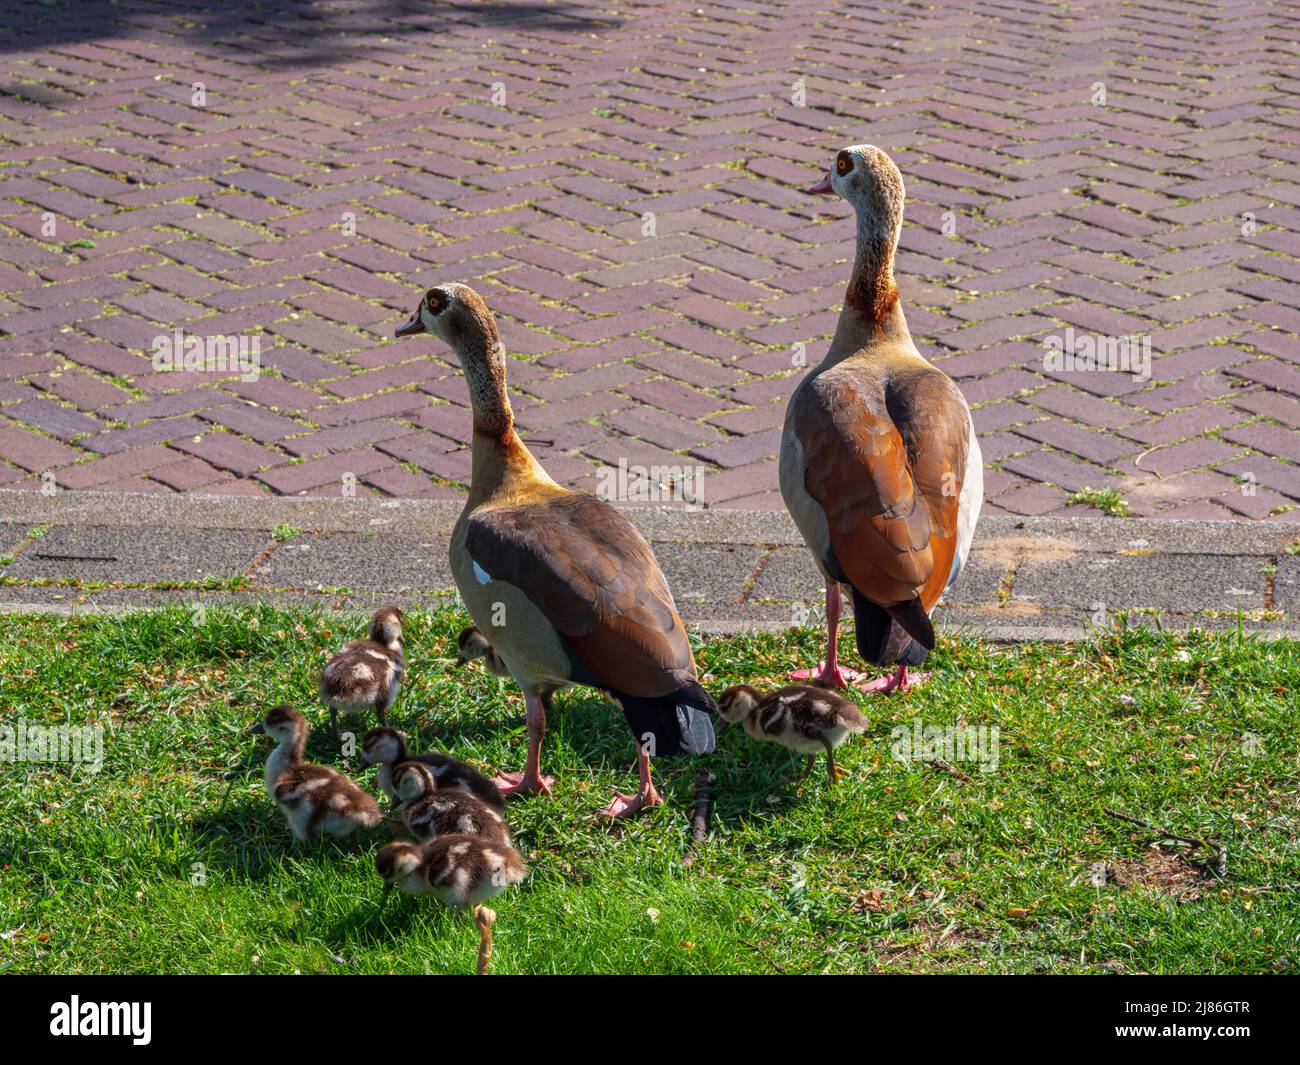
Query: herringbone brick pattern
[622,182]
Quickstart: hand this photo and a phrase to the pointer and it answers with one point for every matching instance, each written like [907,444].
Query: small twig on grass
[944,767]
[1220,869]
[700,818]
[1264,889]
[764,954]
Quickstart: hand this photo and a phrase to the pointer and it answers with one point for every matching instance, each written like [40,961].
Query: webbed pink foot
[902,681]
[626,805]
[824,677]
[523,784]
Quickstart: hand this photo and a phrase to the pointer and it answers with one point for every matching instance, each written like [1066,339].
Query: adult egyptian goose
[559,583]
[313,798]
[880,467]
[366,674]
[799,717]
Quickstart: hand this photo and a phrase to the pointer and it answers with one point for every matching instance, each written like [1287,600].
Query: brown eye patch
[435,301]
[843,163]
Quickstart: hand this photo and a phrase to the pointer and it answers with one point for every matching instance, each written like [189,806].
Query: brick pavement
[520,147]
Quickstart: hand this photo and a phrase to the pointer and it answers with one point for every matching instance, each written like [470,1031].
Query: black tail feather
[882,640]
[671,724]
[912,616]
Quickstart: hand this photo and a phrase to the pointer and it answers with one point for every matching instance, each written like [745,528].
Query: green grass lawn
[172,859]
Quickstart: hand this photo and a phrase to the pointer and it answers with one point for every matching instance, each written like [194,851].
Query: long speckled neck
[871,306]
[872,292]
[473,335]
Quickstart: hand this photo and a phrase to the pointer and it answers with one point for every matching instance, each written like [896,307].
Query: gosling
[313,798]
[805,719]
[458,870]
[386,748]
[472,644]
[366,674]
[429,810]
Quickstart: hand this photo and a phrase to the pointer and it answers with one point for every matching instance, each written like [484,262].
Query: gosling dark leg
[833,772]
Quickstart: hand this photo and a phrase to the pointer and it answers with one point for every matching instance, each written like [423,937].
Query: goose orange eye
[843,164]
[434,301]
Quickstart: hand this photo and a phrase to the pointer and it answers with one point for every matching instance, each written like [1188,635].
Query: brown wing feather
[936,432]
[877,454]
[590,572]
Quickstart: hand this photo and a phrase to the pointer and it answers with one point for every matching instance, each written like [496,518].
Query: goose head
[867,178]
[283,724]
[383,746]
[397,861]
[412,780]
[386,627]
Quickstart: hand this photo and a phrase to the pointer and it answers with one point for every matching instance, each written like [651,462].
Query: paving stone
[706,574]
[388,564]
[1286,585]
[11,535]
[978,582]
[789,573]
[1184,584]
[106,553]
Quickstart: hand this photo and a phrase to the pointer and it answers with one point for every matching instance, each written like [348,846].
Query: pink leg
[530,781]
[828,673]
[646,795]
[902,681]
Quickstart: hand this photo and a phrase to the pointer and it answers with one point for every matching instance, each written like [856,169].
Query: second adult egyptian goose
[880,467]
[559,583]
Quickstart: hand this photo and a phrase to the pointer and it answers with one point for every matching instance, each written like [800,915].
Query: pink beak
[822,188]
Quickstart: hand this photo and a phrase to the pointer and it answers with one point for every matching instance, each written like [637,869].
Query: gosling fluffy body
[803,718]
[386,748]
[313,798]
[429,810]
[458,870]
[366,674]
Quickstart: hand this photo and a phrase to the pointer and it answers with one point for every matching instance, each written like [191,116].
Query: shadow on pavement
[294,33]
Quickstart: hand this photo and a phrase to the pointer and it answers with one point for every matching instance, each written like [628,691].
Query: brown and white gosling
[472,644]
[386,748]
[458,870]
[803,718]
[366,674]
[429,810]
[313,798]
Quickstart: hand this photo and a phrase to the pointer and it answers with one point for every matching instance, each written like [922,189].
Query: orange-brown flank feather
[890,496]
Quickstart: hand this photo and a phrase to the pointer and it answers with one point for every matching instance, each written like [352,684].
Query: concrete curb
[731,570]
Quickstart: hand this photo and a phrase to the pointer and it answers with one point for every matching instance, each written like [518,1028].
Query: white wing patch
[968,503]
